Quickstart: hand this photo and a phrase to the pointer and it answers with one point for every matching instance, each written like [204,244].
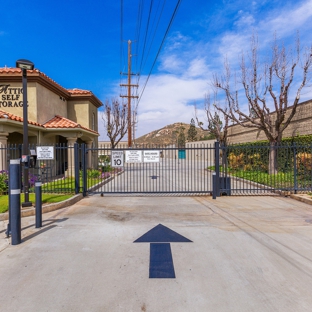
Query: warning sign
[133,156]
[45,152]
[151,156]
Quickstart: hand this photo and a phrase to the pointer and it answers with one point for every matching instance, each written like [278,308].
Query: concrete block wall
[301,124]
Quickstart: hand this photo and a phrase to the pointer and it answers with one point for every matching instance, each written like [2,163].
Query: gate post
[38,194]
[15,201]
[217,168]
[295,169]
[214,191]
[77,179]
[84,169]
[8,231]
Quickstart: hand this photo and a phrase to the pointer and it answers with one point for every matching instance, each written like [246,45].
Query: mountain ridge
[168,135]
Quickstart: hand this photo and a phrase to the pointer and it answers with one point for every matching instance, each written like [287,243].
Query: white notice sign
[45,152]
[133,156]
[117,159]
[151,156]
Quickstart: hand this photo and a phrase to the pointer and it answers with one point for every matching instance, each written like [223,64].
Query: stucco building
[55,115]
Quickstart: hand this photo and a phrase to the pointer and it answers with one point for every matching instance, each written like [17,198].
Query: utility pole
[129,96]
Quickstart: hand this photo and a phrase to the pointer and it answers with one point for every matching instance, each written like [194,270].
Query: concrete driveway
[246,254]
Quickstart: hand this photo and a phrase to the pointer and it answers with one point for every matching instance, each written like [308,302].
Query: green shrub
[106,168]
[93,174]
[4,181]
[256,154]
[304,165]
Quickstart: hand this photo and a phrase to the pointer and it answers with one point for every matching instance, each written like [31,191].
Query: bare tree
[115,121]
[263,88]
[216,125]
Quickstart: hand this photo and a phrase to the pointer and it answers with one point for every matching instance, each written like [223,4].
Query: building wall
[48,105]
[93,118]
[43,104]
[12,100]
[79,111]
[200,151]
[301,124]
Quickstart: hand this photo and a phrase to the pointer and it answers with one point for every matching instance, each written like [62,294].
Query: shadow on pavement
[38,233]
[46,226]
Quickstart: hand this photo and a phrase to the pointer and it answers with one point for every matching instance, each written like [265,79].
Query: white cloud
[197,68]
[288,20]
[176,41]
[285,22]
[171,64]
[169,99]
[245,20]
[186,66]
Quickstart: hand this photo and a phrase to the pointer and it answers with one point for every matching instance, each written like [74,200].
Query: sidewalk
[247,254]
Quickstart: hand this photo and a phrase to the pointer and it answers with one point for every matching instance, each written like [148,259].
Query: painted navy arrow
[160,237]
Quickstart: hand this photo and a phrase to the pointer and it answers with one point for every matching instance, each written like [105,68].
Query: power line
[161,45]
[142,54]
[152,40]
[138,29]
[121,34]
[146,32]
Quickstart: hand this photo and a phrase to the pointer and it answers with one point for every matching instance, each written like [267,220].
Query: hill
[168,135]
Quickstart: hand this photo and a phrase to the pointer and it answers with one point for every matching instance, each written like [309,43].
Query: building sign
[117,159]
[10,97]
[45,152]
[151,156]
[133,156]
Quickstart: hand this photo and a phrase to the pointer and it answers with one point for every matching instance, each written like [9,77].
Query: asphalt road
[246,254]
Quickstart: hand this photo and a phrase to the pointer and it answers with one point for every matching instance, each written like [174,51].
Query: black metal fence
[55,174]
[259,169]
[193,170]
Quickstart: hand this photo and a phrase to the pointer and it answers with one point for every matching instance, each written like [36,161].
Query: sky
[83,44]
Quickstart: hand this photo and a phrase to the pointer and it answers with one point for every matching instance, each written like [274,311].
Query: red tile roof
[78,91]
[12,70]
[30,73]
[64,123]
[57,122]
[10,116]
[36,75]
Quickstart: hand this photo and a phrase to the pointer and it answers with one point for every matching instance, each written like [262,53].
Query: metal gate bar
[170,174]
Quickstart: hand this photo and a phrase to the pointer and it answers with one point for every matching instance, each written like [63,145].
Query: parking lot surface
[240,254]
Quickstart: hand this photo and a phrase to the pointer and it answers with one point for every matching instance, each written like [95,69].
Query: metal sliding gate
[194,170]
[153,171]
[201,170]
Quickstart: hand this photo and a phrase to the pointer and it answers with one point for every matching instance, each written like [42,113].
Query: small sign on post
[151,156]
[117,159]
[133,156]
[45,152]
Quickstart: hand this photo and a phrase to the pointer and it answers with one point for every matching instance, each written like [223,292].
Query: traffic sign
[117,159]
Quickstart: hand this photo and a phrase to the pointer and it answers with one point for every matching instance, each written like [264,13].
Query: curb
[46,208]
[302,197]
